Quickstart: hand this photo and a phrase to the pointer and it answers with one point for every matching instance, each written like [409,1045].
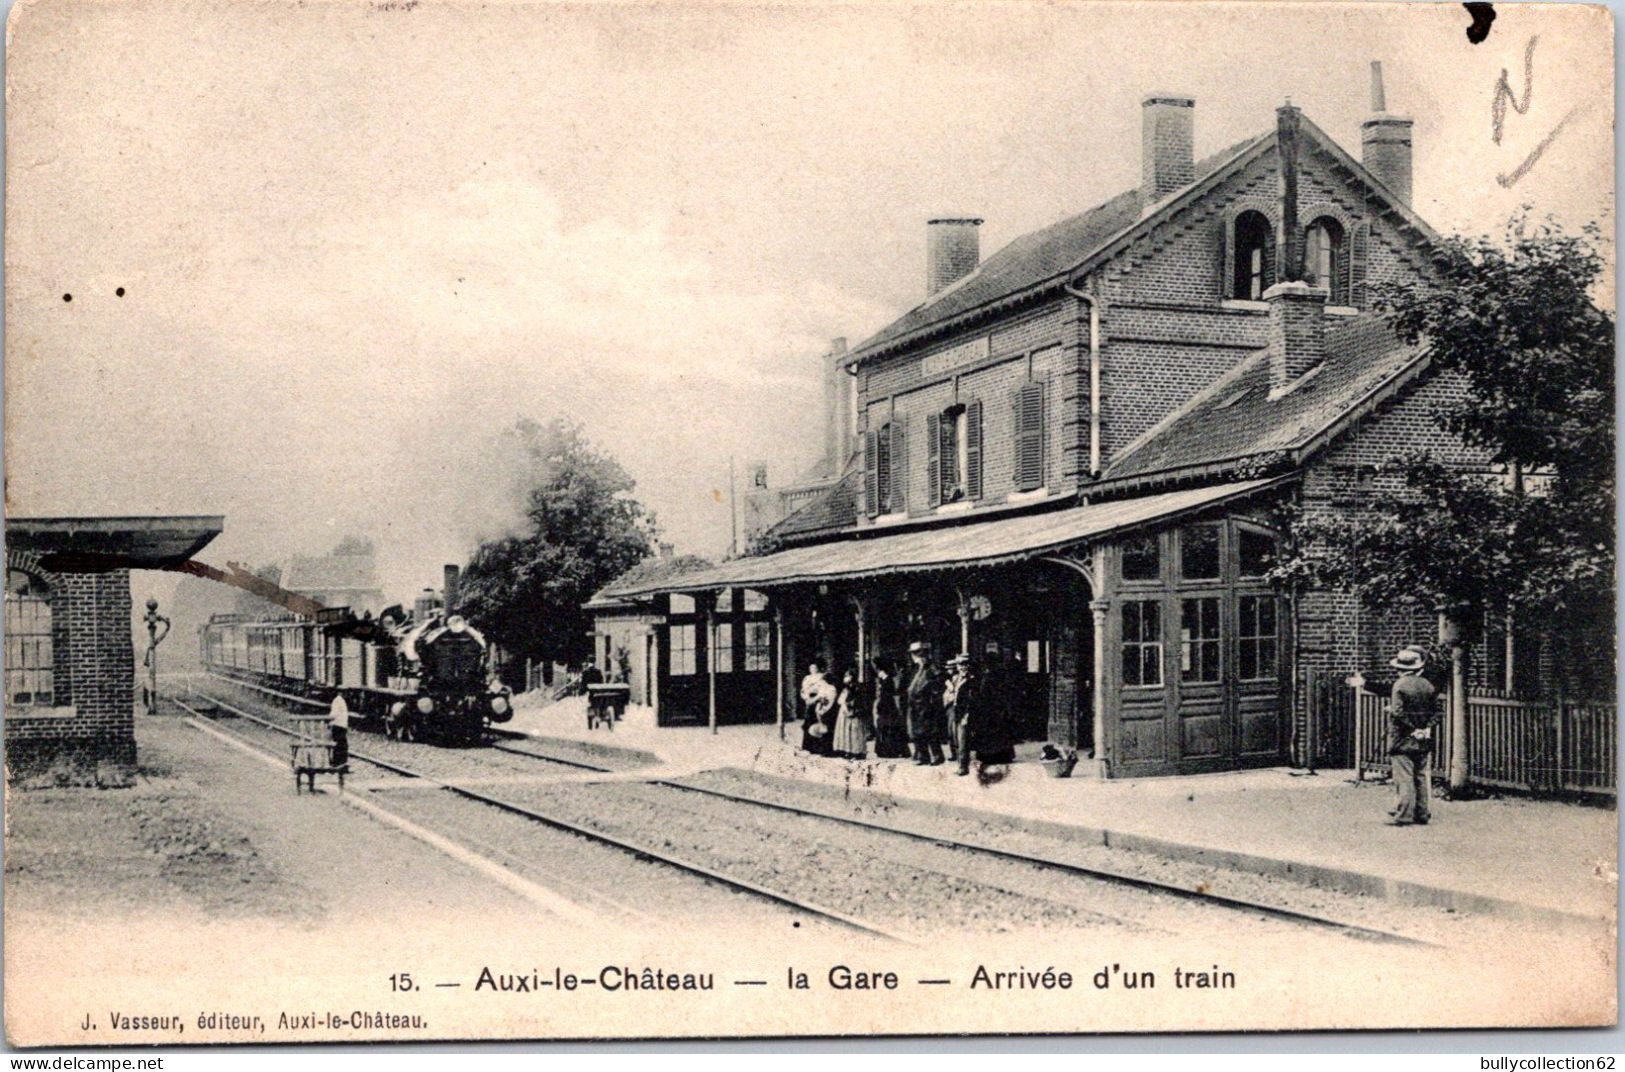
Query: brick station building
[70,653]
[1072,455]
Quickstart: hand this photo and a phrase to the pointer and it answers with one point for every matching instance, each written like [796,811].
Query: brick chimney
[1166,131]
[841,417]
[953,249]
[449,593]
[1297,331]
[1385,142]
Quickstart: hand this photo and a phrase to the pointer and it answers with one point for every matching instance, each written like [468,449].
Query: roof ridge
[1216,166]
[1364,174]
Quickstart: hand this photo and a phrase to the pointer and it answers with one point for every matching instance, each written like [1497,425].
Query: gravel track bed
[1436,925]
[799,857]
[570,750]
[601,877]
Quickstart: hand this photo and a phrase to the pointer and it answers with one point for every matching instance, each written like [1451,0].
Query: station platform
[1508,855]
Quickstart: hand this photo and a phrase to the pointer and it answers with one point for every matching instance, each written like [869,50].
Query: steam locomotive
[420,676]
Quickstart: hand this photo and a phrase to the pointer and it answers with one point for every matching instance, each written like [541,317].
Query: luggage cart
[313,752]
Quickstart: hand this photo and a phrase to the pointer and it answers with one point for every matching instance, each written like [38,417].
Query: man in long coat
[1412,716]
[925,713]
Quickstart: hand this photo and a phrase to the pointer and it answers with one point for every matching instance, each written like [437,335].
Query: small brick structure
[70,650]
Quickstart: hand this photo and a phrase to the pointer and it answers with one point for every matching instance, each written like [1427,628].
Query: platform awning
[986,543]
[76,544]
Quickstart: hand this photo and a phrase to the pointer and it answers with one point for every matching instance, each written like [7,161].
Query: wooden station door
[1197,651]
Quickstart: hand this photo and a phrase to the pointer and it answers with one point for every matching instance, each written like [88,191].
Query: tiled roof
[651,571]
[835,508]
[1235,418]
[312,573]
[1043,255]
[987,544]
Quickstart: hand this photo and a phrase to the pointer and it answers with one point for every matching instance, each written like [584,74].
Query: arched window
[1254,272]
[1325,259]
[30,659]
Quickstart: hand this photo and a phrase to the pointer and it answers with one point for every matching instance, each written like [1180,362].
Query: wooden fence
[1538,746]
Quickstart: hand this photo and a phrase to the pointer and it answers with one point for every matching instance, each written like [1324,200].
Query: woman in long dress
[818,694]
[851,728]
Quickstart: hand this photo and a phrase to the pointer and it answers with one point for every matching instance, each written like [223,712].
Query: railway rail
[645,852]
[1079,870]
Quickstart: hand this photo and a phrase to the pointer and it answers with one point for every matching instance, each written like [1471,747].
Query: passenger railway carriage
[427,679]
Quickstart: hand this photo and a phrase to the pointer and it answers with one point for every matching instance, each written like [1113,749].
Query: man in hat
[1412,715]
[925,711]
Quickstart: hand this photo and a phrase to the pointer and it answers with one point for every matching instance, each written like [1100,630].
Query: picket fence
[1534,745]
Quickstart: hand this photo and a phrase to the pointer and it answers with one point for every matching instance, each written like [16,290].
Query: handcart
[606,703]
[313,752]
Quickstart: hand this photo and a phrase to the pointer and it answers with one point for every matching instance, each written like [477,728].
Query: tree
[354,545]
[580,530]
[1514,323]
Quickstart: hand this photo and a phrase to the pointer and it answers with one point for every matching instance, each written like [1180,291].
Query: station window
[1256,552]
[758,646]
[1253,270]
[1142,558]
[30,658]
[682,650]
[955,454]
[725,647]
[754,600]
[1325,259]
[1257,638]
[1199,640]
[1199,553]
[1142,642]
[681,604]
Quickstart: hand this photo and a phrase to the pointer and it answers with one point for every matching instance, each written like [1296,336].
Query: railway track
[1045,863]
[1097,873]
[645,852]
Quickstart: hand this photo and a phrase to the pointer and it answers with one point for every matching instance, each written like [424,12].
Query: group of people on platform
[917,710]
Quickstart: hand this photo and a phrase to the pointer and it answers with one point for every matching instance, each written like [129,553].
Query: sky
[356,240]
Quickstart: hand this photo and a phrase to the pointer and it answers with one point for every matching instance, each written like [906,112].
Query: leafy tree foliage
[354,545]
[580,529]
[1514,322]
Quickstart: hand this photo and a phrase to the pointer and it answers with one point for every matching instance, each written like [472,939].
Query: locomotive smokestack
[450,594]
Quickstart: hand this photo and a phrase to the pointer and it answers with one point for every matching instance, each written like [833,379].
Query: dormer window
[1253,269]
[1325,259]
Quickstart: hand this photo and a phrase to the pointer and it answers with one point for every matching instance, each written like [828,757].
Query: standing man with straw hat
[1412,715]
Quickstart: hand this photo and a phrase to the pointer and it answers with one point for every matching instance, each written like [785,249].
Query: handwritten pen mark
[1506,180]
[1483,18]
[1505,96]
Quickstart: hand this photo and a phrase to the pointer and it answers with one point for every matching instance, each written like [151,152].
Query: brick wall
[1334,632]
[911,386]
[1167,331]
[94,661]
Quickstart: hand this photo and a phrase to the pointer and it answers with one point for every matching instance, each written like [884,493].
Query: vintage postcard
[653,520]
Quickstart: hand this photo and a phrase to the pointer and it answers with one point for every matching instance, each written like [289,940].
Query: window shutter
[933,459]
[1359,257]
[973,450]
[897,469]
[871,475]
[1029,416]
[1227,258]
